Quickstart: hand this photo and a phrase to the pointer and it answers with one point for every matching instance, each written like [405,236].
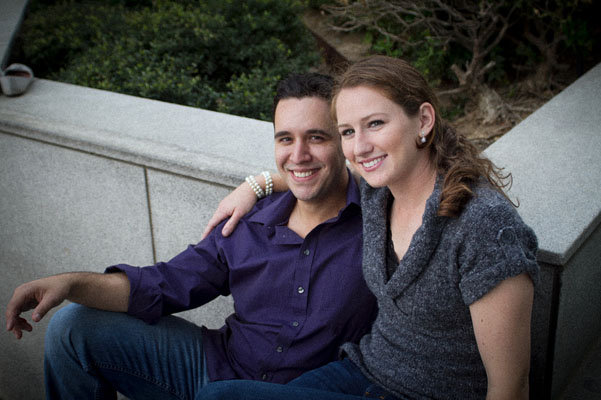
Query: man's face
[307,148]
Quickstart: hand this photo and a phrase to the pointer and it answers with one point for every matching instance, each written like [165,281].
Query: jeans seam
[138,374]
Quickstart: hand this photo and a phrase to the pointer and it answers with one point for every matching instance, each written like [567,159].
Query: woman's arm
[501,322]
[238,203]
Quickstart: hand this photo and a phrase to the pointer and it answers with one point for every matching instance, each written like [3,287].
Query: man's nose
[300,152]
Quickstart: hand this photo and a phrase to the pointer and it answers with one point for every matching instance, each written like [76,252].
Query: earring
[422,137]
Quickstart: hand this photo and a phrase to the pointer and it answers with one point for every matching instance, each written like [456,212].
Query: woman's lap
[339,380]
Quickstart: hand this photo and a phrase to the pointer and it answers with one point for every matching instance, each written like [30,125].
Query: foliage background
[222,55]
[227,55]
[569,27]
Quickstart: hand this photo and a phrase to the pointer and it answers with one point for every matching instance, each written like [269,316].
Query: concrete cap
[189,141]
[555,158]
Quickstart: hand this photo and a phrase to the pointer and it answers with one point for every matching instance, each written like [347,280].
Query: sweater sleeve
[496,245]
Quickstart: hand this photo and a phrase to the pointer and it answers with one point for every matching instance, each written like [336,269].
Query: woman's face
[379,138]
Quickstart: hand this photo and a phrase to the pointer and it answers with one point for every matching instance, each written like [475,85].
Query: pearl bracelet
[255,186]
[268,183]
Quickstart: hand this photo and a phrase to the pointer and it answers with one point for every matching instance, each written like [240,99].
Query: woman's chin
[373,182]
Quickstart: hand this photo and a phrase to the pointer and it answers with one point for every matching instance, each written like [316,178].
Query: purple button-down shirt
[296,300]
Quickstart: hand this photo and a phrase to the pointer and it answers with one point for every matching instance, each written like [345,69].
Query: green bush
[222,55]
[431,58]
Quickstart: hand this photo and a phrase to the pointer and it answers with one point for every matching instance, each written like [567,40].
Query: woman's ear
[427,116]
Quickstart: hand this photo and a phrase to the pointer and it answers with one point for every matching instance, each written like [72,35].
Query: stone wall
[91,178]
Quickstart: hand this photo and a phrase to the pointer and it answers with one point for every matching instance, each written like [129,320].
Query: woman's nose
[362,145]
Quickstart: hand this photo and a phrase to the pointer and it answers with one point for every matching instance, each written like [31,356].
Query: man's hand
[103,291]
[41,296]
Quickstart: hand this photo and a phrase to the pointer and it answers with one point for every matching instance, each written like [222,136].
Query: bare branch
[476,27]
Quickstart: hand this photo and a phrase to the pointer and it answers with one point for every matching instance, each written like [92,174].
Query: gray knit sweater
[422,344]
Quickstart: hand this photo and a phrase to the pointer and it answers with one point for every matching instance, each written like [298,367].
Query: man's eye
[316,138]
[284,140]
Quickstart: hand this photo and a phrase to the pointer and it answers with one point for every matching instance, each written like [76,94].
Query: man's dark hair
[304,85]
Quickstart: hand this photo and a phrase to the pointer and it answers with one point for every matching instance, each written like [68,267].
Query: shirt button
[301,290]
[307,252]
[279,349]
[295,323]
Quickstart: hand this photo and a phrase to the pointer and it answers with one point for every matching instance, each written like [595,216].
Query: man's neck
[306,215]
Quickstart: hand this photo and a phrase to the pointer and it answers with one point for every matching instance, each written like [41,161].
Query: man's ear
[427,116]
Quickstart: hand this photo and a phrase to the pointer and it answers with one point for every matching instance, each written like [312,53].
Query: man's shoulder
[273,200]
[269,210]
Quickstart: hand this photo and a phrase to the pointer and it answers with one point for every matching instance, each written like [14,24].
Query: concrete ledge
[555,158]
[197,143]
[93,178]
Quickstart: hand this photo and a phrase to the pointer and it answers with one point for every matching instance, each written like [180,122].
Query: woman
[447,256]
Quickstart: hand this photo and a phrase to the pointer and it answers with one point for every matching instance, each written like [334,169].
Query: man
[293,267]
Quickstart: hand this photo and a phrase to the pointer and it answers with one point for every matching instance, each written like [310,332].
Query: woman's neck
[414,191]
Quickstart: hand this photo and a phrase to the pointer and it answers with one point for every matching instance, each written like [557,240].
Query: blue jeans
[89,354]
[339,380]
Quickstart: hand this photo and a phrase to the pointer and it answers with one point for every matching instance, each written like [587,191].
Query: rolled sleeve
[189,280]
[499,247]
[144,295]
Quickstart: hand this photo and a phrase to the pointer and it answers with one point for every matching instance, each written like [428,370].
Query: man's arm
[103,291]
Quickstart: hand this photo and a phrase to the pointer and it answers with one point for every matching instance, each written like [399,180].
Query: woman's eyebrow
[367,117]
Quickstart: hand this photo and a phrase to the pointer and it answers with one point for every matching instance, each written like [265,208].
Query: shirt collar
[277,212]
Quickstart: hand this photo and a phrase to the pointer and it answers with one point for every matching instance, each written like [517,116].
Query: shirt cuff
[144,302]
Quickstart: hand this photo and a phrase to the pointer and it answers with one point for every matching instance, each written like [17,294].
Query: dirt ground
[338,48]
[518,98]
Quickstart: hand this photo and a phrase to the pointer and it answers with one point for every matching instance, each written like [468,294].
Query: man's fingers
[17,333]
[22,324]
[18,325]
[47,303]
[17,304]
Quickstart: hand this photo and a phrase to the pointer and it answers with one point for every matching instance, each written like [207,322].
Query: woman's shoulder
[489,214]
[488,202]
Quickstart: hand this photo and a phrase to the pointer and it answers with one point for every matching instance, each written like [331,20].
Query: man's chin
[303,194]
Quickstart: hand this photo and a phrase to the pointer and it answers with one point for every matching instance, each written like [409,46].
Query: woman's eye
[346,132]
[375,123]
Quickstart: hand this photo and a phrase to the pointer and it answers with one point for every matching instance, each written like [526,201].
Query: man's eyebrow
[318,131]
[307,132]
